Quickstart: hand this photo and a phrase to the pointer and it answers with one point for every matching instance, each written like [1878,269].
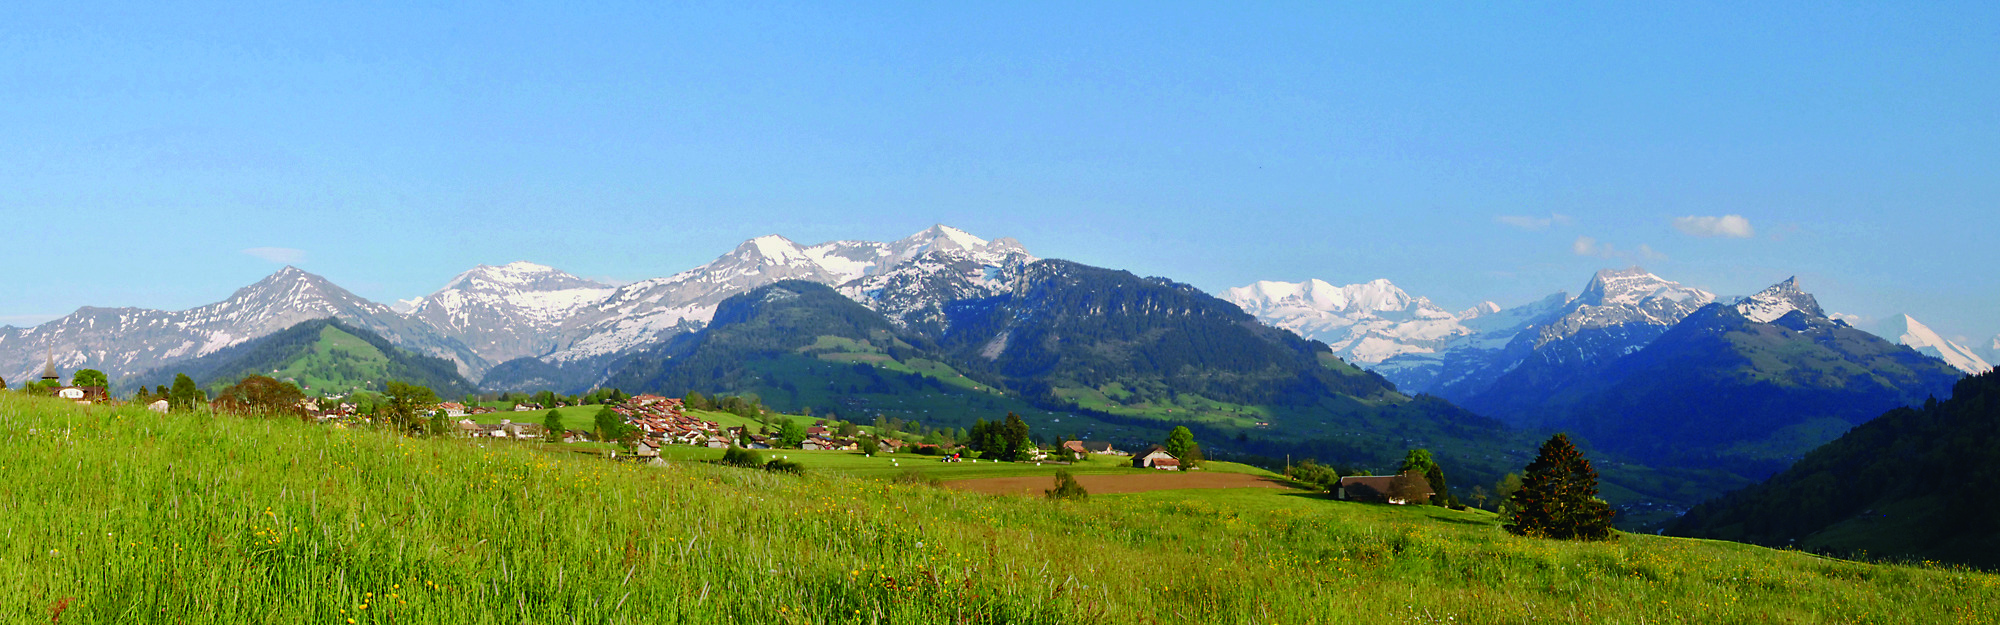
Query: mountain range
[1639,365]
[942,322]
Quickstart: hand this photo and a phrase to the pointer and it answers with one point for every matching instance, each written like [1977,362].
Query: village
[641,428]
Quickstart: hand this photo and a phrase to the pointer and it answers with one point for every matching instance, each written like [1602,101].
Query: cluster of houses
[1154,457]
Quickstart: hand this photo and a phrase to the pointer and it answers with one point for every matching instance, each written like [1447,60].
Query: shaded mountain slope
[1068,326]
[1722,387]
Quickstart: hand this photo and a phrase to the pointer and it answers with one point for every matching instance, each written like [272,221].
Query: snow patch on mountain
[1906,330]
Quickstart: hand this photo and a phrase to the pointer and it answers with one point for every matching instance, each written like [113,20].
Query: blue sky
[1466,152]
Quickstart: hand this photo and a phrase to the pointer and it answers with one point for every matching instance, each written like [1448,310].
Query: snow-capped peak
[1906,330]
[1633,285]
[935,235]
[1367,322]
[1481,310]
[776,248]
[1778,300]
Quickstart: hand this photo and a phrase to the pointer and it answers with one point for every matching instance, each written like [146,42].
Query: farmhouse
[1156,457]
[1383,488]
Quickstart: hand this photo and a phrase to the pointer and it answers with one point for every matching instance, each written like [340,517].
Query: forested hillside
[1914,483]
[325,356]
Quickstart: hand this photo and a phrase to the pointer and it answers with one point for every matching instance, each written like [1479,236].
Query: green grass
[134,517]
[856,464]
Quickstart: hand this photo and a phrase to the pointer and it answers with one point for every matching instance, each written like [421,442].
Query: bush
[781,465]
[1066,488]
[930,450]
[740,457]
[917,478]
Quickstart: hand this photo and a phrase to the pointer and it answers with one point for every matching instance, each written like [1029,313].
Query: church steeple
[49,368]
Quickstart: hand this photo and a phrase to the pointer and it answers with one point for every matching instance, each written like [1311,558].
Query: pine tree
[1558,496]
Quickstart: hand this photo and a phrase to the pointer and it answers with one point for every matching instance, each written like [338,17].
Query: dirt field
[1111,484]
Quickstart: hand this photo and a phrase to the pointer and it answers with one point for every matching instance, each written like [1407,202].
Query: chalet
[1381,488]
[646,449]
[452,409]
[159,406]
[524,407]
[1156,457]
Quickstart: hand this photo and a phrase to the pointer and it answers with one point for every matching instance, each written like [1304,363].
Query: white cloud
[1853,320]
[284,255]
[1586,246]
[1732,226]
[1525,222]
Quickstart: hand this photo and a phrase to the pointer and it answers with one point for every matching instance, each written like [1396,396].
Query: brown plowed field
[1112,484]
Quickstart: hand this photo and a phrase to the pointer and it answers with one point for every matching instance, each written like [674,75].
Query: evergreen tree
[185,394]
[552,426]
[1558,496]
[160,392]
[1015,437]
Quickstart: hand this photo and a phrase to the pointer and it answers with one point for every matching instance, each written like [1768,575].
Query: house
[82,394]
[525,407]
[452,409]
[1093,447]
[1382,488]
[159,406]
[646,449]
[1156,457]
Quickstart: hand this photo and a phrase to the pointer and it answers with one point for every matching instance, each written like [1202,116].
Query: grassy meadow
[119,515]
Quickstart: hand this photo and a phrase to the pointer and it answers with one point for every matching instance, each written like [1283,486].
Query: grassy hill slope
[200,518]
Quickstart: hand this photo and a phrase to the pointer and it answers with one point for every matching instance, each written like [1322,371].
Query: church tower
[49,368]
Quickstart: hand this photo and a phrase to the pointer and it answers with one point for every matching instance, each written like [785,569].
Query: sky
[163,154]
